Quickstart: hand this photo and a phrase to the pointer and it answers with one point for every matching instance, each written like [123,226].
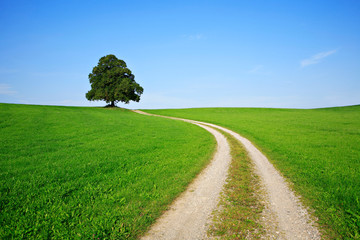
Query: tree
[112,82]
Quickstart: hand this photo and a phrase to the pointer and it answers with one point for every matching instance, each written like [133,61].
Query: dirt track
[284,216]
[190,214]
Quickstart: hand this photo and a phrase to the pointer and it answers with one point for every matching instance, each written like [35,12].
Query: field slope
[91,173]
[317,149]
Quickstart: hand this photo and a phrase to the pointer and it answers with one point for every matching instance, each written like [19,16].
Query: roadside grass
[91,173]
[239,212]
[316,149]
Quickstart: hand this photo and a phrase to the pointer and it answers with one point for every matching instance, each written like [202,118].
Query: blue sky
[295,54]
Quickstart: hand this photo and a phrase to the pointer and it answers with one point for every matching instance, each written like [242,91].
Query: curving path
[190,214]
[284,216]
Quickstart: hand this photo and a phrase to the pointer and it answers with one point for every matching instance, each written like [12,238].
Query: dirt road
[190,214]
[284,216]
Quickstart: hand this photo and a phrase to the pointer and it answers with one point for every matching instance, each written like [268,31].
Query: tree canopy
[113,82]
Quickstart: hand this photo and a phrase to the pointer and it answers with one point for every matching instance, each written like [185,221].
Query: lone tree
[112,82]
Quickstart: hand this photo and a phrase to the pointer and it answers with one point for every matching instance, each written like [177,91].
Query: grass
[316,149]
[240,208]
[91,173]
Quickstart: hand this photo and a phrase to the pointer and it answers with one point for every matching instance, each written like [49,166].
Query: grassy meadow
[91,173]
[317,149]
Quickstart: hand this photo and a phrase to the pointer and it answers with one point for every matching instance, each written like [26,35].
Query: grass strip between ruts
[239,211]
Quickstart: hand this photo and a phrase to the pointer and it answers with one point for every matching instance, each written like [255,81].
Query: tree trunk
[112,104]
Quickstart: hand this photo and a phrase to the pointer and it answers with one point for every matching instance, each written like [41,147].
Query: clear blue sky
[300,54]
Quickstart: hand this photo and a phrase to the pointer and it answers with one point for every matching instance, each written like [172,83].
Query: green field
[91,173]
[317,149]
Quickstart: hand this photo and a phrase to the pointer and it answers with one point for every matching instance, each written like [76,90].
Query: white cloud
[259,70]
[316,58]
[6,89]
[7,71]
[256,69]
[197,36]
